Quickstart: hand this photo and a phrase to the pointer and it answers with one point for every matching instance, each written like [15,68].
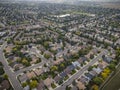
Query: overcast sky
[60,1]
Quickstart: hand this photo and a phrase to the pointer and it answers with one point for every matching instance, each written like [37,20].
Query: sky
[70,0]
[61,1]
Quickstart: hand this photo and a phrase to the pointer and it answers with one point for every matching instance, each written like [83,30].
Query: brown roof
[48,82]
[4,85]
[40,86]
[80,85]
[38,71]
[31,75]
[58,61]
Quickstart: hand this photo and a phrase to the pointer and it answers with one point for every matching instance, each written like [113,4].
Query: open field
[111,5]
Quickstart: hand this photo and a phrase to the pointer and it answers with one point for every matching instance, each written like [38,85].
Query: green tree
[54,68]
[47,56]
[98,80]
[33,84]
[1,71]
[24,84]
[95,87]
[25,62]
[112,66]
[5,76]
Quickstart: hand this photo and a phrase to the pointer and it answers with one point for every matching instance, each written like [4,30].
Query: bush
[53,85]
[1,71]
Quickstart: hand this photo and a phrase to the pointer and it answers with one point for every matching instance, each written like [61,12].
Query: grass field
[114,82]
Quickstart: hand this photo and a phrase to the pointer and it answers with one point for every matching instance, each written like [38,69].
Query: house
[41,86]
[58,61]
[5,85]
[76,64]
[107,59]
[93,73]
[69,69]
[84,80]
[80,85]
[18,66]
[102,65]
[89,76]
[82,59]
[57,78]
[48,82]
[30,74]
[34,59]
[63,74]
[26,88]
[23,78]
[38,71]
[97,70]
[74,88]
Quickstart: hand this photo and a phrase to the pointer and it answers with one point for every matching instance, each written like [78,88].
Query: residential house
[80,85]
[57,79]
[41,86]
[30,74]
[84,80]
[23,78]
[48,82]
[63,74]
[58,61]
[102,65]
[26,88]
[93,73]
[97,70]
[4,85]
[38,71]
[107,59]
[76,64]
[69,69]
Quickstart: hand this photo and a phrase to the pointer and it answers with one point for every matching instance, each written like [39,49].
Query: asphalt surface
[11,75]
[43,61]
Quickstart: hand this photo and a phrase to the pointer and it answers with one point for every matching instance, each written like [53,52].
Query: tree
[33,84]
[90,68]
[46,45]
[105,73]
[118,54]
[62,65]
[112,66]
[47,56]
[95,87]
[25,62]
[98,80]
[54,68]
[5,76]
[91,56]
[1,71]
[68,88]
[24,84]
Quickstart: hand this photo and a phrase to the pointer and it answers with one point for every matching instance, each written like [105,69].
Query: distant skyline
[69,0]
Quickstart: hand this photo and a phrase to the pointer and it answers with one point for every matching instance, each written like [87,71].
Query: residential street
[12,77]
[80,72]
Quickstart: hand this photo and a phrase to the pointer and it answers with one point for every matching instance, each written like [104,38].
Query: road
[12,77]
[80,72]
[44,60]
